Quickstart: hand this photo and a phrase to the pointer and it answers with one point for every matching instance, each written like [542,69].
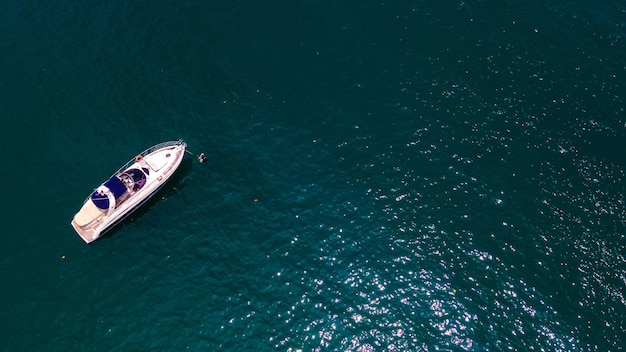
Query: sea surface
[426,175]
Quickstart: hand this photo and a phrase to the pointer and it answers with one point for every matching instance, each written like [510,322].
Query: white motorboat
[127,189]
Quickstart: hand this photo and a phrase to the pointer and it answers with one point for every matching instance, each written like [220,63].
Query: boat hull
[128,189]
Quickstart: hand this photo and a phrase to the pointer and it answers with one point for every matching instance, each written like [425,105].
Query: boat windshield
[136,179]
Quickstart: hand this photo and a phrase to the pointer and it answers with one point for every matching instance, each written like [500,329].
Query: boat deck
[158,164]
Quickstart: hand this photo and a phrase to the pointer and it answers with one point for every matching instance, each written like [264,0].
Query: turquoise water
[412,176]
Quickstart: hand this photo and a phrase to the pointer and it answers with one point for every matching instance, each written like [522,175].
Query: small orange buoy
[138,158]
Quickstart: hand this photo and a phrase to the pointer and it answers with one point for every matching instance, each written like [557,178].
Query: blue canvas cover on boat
[100,200]
[115,185]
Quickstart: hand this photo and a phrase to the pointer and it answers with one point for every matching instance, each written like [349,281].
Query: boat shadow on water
[170,188]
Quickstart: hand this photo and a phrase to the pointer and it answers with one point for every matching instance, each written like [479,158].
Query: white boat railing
[144,153]
[148,151]
[162,145]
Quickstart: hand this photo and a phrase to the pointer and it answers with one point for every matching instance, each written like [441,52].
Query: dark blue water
[412,176]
